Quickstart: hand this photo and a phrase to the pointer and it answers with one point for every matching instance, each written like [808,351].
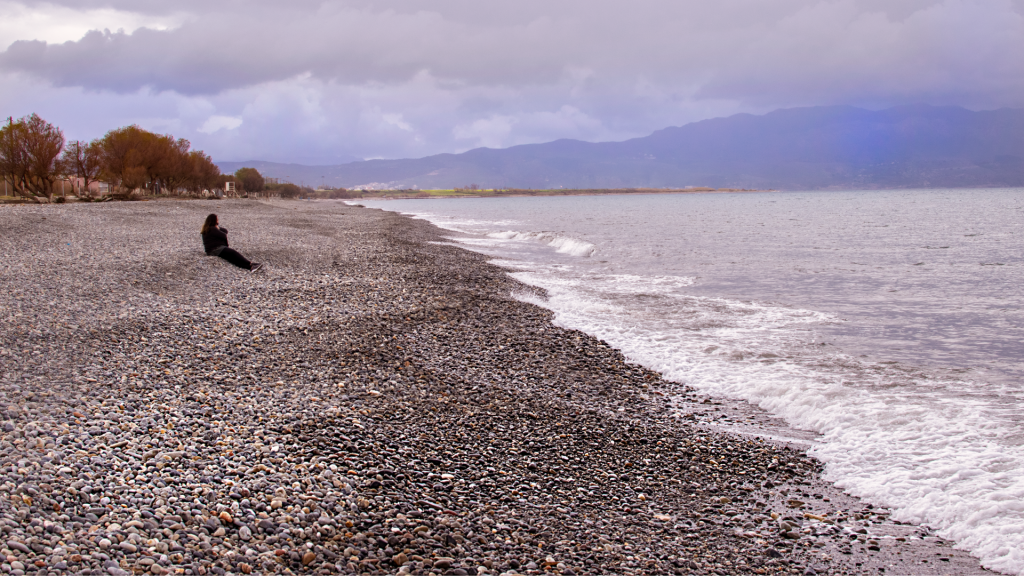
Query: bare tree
[81,159]
[13,158]
[29,152]
[45,143]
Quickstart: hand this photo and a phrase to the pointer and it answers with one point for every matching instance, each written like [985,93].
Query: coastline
[375,393]
[427,195]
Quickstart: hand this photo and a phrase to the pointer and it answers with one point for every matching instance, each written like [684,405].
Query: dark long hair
[211,222]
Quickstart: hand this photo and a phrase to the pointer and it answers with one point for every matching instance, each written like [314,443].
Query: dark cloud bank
[319,81]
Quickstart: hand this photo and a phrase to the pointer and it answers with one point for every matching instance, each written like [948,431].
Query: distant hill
[836,147]
[311,176]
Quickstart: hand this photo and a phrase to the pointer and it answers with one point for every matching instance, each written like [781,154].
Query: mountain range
[832,147]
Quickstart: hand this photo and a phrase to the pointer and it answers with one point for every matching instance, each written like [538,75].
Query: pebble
[373,401]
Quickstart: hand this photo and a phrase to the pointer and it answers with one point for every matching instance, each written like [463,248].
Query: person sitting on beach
[215,241]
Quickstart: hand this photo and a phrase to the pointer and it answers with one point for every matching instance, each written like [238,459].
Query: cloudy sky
[319,82]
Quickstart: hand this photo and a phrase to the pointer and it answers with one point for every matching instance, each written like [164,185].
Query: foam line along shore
[834,311]
[375,401]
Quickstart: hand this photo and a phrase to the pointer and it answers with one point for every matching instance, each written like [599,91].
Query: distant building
[229,187]
[384,186]
[96,188]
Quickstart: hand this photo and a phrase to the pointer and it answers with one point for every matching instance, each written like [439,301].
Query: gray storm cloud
[413,77]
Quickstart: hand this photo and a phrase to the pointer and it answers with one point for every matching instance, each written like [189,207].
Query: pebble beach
[374,401]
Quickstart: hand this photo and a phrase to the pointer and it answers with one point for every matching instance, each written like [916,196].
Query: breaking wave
[562,244]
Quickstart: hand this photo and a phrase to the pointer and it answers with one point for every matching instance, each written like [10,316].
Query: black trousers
[235,258]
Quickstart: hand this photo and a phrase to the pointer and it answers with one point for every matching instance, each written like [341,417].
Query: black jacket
[215,238]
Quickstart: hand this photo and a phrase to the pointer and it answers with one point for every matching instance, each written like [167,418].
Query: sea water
[889,322]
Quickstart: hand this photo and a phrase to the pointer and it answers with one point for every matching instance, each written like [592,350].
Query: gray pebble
[374,394]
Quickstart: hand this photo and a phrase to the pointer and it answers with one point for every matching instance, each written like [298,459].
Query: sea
[887,322]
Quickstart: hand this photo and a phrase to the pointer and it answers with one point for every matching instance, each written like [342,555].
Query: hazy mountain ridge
[799,148]
[291,172]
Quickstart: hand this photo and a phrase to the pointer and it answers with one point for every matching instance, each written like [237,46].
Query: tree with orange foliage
[250,179]
[126,157]
[203,173]
[173,166]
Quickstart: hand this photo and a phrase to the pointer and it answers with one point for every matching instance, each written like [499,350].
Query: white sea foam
[444,222]
[562,244]
[461,225]
[939,451]
[892,438]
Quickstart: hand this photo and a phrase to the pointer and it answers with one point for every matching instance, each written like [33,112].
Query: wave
[890,435]
[939,449]
[562,244]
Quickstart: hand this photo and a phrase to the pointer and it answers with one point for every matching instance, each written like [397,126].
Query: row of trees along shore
[35,158]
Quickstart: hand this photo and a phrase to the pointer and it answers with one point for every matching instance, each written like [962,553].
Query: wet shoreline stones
[373,402]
